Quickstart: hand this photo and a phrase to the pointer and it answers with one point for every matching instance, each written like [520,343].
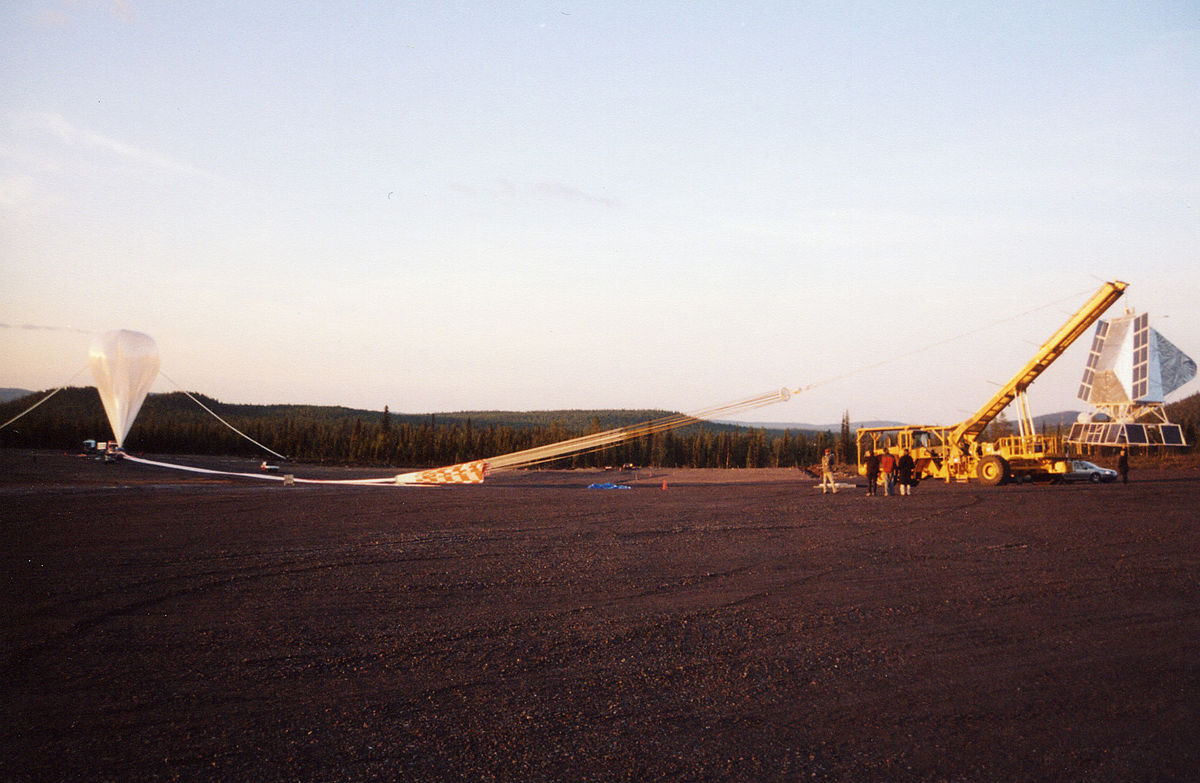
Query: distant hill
[1065,418]
[13,394]
[1185,411]
[179,407]
[781,426]
[1062,418]
[179,404]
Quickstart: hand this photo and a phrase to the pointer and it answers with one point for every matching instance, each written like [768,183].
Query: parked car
[1082,470]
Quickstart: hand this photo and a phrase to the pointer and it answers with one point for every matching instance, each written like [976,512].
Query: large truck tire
[993,470]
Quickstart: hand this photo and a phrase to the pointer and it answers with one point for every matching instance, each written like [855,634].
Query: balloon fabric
[124,364]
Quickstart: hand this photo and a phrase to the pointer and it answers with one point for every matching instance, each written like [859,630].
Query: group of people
[897,475]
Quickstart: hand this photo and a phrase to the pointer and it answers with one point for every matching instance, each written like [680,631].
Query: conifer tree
[845,445]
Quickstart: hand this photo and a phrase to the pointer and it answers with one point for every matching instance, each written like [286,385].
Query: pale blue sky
[442,206]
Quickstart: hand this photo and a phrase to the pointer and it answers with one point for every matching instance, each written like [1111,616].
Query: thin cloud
[42,328]
[66,13]
[544,189]
[60,128]
[563,192]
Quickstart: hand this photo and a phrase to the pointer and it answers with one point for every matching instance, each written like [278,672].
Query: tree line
[174,424]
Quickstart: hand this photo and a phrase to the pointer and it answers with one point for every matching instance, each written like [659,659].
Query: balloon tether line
[898,357]
[213,413]
[39,402]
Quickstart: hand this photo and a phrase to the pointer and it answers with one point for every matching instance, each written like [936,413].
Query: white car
[1082,470]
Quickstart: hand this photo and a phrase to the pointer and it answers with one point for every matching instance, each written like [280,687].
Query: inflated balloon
[124,364]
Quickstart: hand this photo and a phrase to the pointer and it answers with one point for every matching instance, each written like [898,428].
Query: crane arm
[971,428]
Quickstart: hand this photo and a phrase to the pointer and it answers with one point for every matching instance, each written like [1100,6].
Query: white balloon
[124,364]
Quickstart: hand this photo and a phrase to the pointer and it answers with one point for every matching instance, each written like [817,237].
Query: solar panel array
[1098,434]
[1141,356]
[1105,386]
[1109,433]
[1093,361]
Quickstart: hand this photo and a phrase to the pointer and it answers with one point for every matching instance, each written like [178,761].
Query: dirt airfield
[736,625]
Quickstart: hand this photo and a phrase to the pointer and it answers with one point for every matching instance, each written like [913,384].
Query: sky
[532,205]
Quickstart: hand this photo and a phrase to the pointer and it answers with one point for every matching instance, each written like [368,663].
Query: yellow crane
[957,453]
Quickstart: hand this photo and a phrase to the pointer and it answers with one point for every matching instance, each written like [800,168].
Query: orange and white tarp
[463,473]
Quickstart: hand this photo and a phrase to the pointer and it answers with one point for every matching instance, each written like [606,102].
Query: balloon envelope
[124,364]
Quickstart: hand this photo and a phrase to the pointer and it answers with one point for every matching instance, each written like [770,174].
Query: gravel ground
[705,625]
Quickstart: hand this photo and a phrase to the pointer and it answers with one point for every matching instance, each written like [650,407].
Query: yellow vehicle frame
[956,453]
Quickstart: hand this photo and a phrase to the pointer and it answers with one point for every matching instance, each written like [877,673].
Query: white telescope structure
[1130,371]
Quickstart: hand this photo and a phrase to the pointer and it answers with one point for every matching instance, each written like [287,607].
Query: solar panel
[1093,361]
[1136,434]
[1141,356]
[1172,434]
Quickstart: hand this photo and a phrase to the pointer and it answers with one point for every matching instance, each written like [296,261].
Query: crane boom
[971,428]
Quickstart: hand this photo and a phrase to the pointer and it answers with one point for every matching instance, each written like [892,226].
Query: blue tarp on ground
[608,485]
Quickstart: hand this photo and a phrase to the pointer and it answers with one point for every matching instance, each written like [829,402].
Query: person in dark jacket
[904,473]
[872,472]
[1123,466]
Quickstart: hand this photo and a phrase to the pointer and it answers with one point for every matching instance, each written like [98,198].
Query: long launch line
[261,476]
[601,440]
[930,346]
[474,471]
[622,434]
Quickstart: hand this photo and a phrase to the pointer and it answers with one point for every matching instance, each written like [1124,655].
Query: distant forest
[174,424]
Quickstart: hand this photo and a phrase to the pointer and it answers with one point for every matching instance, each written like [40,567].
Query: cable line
[193,398]
[48,396]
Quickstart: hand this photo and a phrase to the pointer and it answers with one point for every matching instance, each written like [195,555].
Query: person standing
[872,472]
[827,482]
[887,467]
[904,473]
[1123,466]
